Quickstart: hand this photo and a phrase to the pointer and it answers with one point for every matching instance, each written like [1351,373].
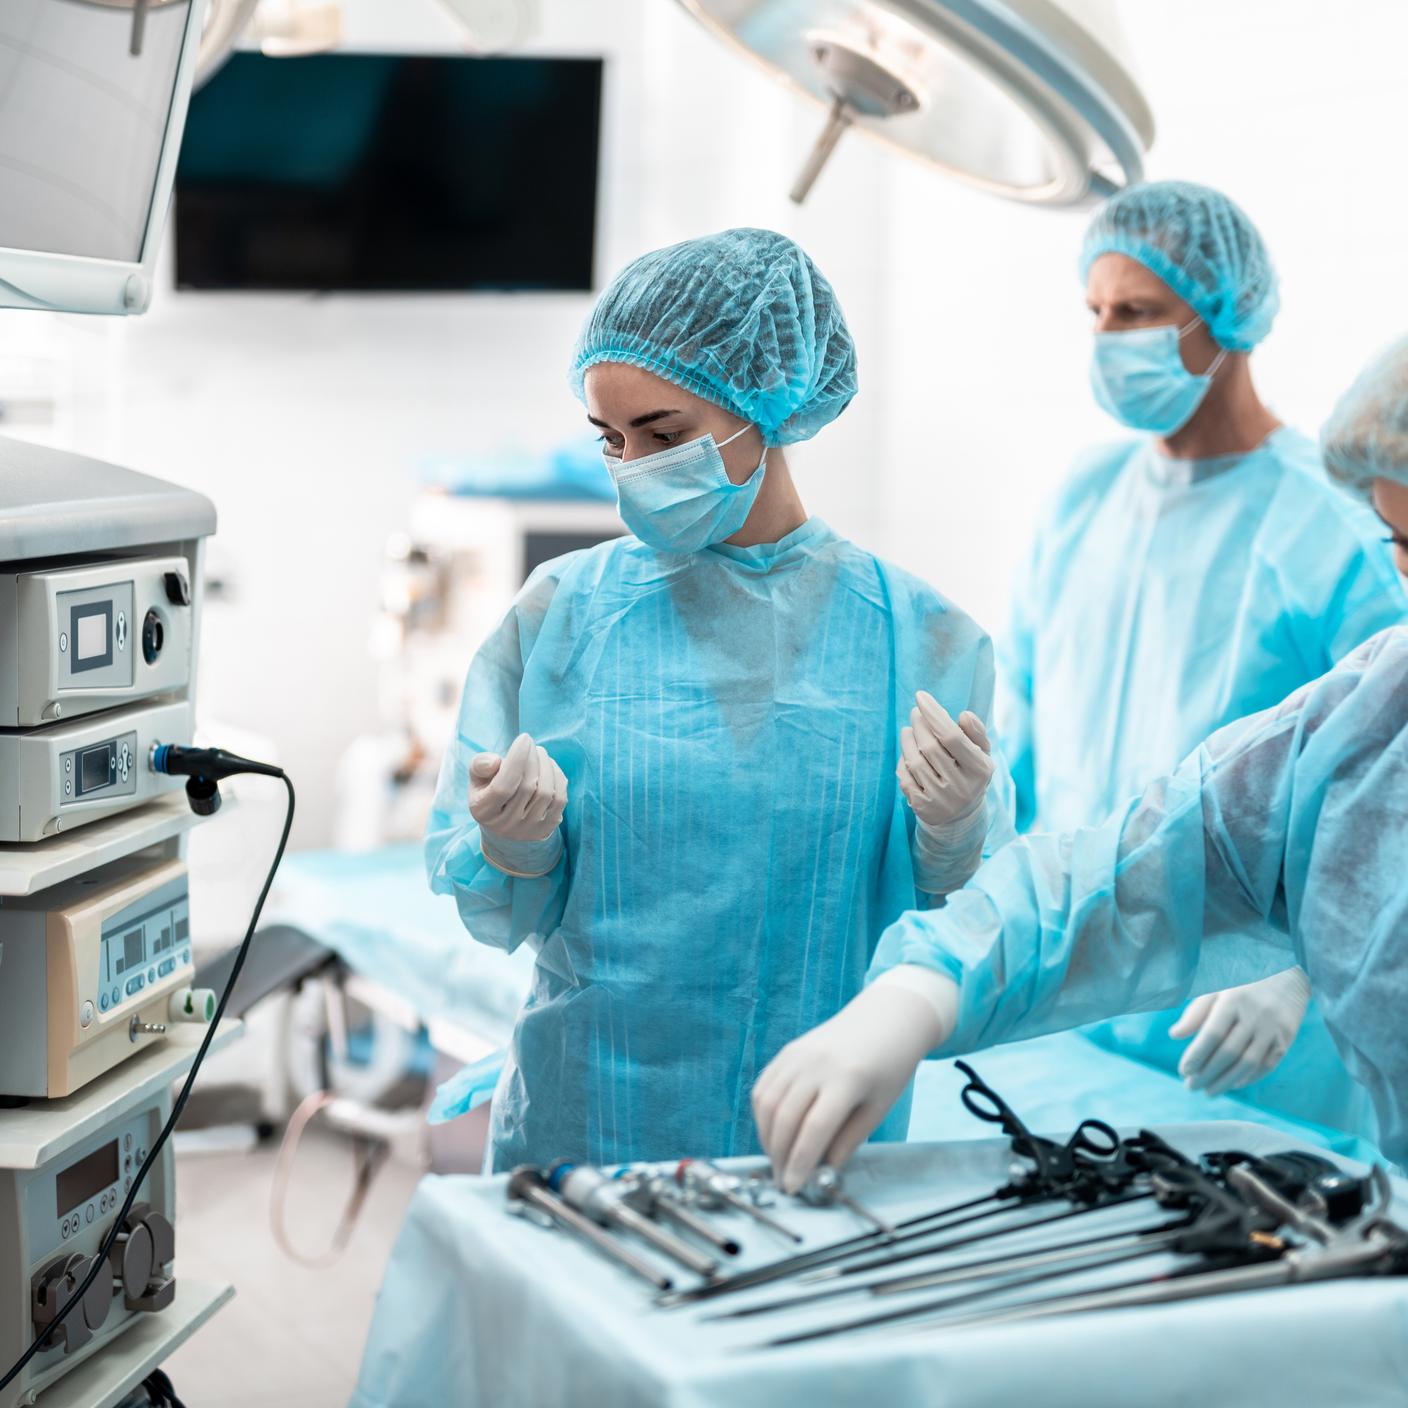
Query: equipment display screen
[92,636]
[132,952]
[89,1176]
[94,768]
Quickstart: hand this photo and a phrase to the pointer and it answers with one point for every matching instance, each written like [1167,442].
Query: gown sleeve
[497,909]
[1181,892]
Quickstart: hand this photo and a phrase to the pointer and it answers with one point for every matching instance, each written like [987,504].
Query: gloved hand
[824,1093]
[518,801]
[945,767]
[1242,1033]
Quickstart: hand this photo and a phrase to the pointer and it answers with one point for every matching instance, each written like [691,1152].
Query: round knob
[54,1288]
[97,1299]
[136,1255]
[153,637]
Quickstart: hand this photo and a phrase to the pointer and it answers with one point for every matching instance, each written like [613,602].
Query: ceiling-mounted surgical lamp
[1027,99]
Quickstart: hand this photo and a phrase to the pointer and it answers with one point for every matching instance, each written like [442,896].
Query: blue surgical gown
[735,838]
[1164,599]
[1283,839]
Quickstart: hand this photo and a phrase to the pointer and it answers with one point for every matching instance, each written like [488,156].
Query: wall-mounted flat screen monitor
[390,173]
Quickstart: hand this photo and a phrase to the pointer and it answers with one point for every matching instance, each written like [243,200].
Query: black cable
[100,1261]
[160,1390]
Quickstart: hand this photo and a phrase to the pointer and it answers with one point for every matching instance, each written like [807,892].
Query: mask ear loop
[1221,351]
[719,444]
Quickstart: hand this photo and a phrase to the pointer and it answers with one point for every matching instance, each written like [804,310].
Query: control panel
[74,640]
[143,945]
[52,1223]
[52,779]
[92,971]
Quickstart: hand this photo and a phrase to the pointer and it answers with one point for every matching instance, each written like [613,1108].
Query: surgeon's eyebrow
[647,419]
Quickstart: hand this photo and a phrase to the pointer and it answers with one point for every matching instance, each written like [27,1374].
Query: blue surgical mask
[1139,378]
[681,499]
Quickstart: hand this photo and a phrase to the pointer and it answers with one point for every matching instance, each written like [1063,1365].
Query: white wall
[305,419]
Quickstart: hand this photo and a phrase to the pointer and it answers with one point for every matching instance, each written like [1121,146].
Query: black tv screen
[390,173]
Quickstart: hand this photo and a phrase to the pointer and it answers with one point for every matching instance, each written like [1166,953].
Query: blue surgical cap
[1202,246]
[742,318]
[1366,436]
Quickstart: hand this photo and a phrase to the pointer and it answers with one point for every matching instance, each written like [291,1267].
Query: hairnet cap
[742,318]
[1202,246]
[1366,436]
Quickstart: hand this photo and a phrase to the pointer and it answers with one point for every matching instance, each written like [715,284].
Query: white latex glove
[945,767]
[825,1093]
[518,801]
[1242,1033]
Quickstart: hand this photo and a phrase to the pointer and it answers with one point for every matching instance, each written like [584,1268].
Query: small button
[134,984]
[126,1184]
[151,975]
[186,956]
[167,965]
[126,1141]
[63,1230]
[121,630]
[102,1002]
[68,764]
[68,787]
[85,1015]
[127,1163]
[63,642]
[116,996]
[88,1213]
[141,1156]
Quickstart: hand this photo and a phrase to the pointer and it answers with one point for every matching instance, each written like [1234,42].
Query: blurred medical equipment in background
[1032,100]
[447,582]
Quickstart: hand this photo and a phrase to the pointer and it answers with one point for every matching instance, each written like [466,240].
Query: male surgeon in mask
[1186,576]
[1281,839]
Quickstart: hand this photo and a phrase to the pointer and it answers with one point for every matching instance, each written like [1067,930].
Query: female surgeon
[1186,576]
[1279,841]
[700,768]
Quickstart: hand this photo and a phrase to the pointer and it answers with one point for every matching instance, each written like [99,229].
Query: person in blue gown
[699,769]
[1281,840]
[1181,579]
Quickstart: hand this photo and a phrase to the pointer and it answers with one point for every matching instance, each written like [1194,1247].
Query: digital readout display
[88,1177]
[92,635]
[132,952]
[94,768]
